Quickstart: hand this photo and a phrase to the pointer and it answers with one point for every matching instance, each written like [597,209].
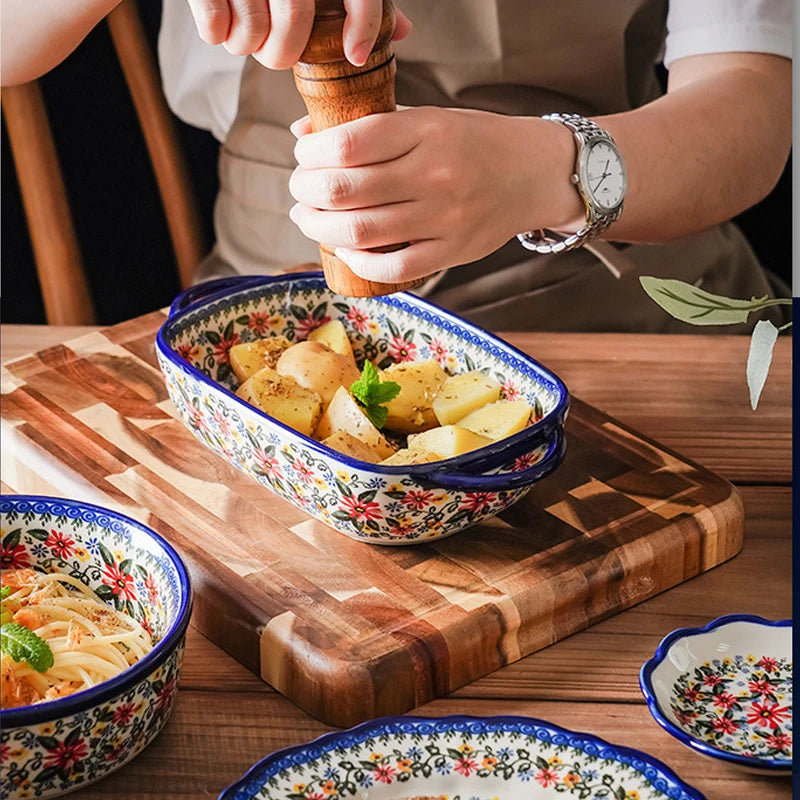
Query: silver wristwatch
[600,179]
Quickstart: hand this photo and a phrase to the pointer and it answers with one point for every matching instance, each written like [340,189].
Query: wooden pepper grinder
[334,92]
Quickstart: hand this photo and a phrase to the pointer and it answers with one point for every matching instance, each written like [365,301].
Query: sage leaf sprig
[697,307]
[371,393]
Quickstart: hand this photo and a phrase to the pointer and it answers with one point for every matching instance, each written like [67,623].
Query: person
[471,162]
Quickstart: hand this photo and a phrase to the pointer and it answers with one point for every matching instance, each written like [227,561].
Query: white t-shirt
[201,81]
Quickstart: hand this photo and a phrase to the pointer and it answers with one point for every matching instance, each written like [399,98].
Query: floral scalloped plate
[459,758]
[725,690]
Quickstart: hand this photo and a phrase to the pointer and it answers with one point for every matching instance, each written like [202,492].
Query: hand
[456,184]
[276,32]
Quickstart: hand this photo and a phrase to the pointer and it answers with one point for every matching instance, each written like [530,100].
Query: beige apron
[522,57]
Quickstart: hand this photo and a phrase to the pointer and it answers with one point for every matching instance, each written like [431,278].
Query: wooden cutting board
[348,630]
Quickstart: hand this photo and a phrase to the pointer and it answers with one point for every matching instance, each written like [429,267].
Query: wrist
[547,197]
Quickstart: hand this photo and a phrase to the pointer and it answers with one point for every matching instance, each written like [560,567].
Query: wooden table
[687,392]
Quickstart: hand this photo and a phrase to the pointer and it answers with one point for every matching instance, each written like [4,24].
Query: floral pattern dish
[726,690]
[51,748]
[460,758]
[379,504]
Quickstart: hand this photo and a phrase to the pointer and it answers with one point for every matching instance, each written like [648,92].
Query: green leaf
[371,393]
[105,554]
[5,592]
[695,306]
[22,644]
[11,540]
[213,337]
[385,391]
[38,533]
[759,358]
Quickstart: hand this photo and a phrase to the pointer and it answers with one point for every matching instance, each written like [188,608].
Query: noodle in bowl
[112,600]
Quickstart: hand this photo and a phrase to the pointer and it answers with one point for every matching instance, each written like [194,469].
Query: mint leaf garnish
[371,393]
[22,644]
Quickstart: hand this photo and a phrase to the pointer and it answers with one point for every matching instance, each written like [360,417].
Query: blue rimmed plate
[515,758]
[725,690]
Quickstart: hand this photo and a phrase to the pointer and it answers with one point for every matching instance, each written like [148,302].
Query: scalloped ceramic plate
[460,758]
[725,690]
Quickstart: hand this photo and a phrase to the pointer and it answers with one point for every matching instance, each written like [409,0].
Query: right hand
[275,32]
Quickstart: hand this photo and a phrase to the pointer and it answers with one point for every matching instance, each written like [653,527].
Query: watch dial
[606,175]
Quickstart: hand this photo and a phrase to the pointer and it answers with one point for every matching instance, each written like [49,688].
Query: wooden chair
[65,290]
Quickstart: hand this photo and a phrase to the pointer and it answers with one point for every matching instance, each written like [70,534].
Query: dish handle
[202,291]
[506,481]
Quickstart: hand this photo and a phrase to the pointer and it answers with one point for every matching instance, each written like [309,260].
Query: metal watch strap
[545,240]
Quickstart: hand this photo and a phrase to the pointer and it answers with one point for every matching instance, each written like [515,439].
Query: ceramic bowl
[54,747]
[513,758]
[379,504]
[725,690]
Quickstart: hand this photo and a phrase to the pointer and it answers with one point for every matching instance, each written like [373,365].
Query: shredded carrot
[29,618]
[17,578]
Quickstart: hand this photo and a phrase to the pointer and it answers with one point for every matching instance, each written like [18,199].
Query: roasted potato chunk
[334,336]
[283,398]
[408,456]
[344,414]
[498,420]
[315,366]
[343,442]
[448,441]
[412,410]
[249,357]
[462,394]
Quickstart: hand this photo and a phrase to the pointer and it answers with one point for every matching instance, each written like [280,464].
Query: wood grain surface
[350,631]
[226,718]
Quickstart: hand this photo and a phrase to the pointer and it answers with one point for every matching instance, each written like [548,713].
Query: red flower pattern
[222,350]
[152,589]
[123,714]
[14,557]
[358,510]
[509,391]
[60,544]
[723,700]
[258,322]
[767,664]
[120,582]
[779,741]
[65,755]
[438,351]
[546,777]
[268,465]
[303,470]
[760,687]
[401,349]
[466,765]
[358,318]
[384,773]
[165,694]
[712,680]
[767,715]
[476,502]
[417,498]
[725,725]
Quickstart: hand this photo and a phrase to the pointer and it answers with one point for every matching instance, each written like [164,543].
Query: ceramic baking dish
[379,504]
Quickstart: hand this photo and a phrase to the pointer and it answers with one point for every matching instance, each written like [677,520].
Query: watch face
[605,175]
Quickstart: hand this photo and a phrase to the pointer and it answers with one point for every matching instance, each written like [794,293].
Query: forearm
[713,146]
[36,36]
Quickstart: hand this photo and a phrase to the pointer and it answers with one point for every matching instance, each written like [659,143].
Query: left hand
[457,184]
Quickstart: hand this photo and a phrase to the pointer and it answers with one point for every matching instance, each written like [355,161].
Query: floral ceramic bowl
[54,747]
[725,690]
[379,504]
[460,758]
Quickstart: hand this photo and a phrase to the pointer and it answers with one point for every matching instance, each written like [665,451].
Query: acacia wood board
[345,629]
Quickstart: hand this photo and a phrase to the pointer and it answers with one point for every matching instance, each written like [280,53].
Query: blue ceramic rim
[486,458]
[81,701]
[646,685]
[270,765]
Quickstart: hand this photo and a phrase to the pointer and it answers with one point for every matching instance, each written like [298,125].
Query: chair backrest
[64,286]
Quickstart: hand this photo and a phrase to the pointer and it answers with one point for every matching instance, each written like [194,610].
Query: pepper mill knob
[336,91]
